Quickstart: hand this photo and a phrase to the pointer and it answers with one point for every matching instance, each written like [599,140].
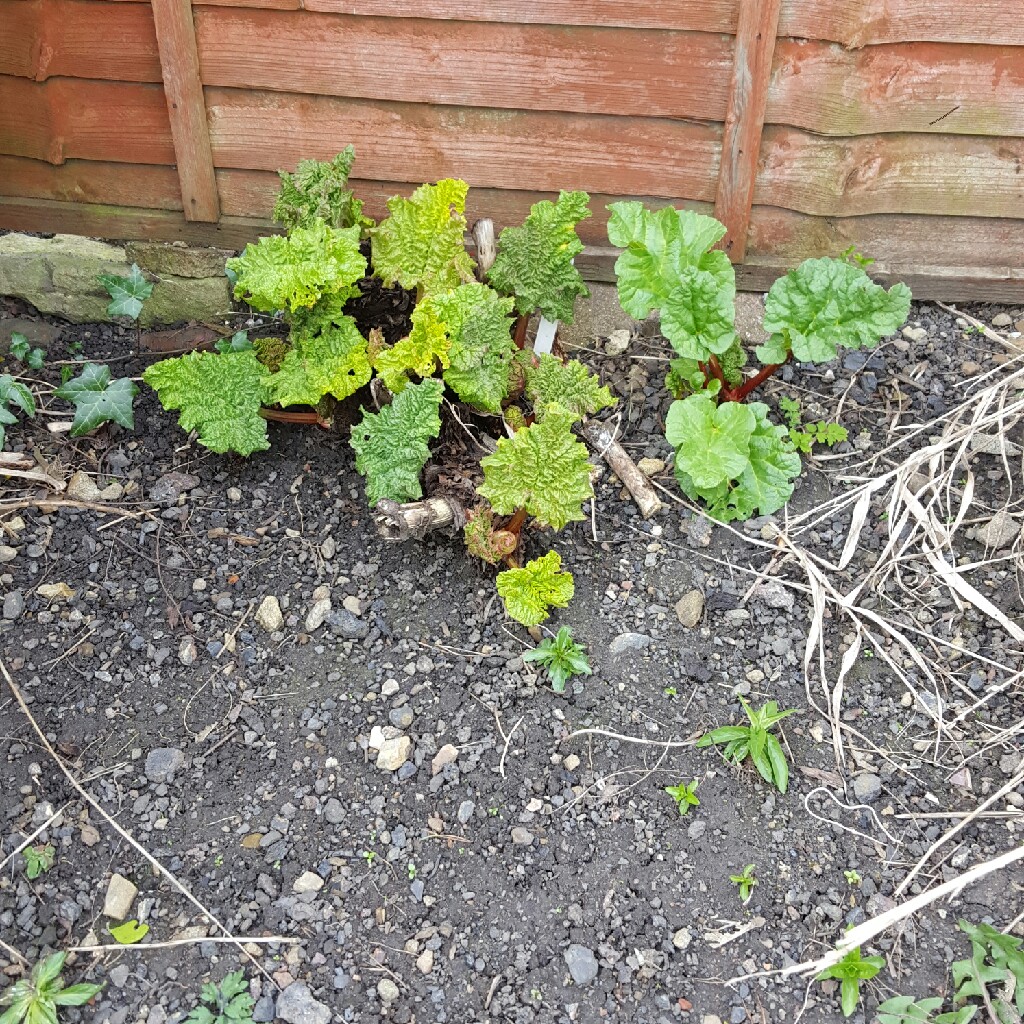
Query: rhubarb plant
[731,454]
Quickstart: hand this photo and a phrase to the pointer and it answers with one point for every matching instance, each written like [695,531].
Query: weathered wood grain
[744,120]
[42,39]
[535,67]
[90,181]
[856,23]
[960,175]
[490,148]
[909,87]
[186,107]
[67,118]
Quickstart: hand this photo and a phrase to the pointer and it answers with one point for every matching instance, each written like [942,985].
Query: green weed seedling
[33,358]
[994,973]
[905,1010]
[561,657]
[745,882]
[36,999]
[38,859]
[756,742]
[805,435]
[685,796]
[227,1003]
[850,972]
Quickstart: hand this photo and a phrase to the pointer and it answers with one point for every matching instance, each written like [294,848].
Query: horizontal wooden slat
[495,148]
[857,23]
[534,67]
[930,174]
[686,15]
[68,118]
[43,39]
[89,181]
[908,87]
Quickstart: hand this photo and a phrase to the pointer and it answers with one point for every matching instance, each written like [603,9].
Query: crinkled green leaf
[130,932]
[219,395]
[331,363]
[476,319]
[483,540]
[420,352]
[529,592]
[98,399]
[697,318]
[712,442]
[127,294]
[318,190]
[570,385]
[391,445]
[13,392]
[294,271]
[534,261]
[542,468]
[421,245]
[825,303]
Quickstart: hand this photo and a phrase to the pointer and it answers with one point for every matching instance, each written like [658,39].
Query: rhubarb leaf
[318,190]
[294,271]
[712,442]
[483,540]
[535,260]
[529,592]
[421,244]
[219,395]
[97,399]
[570,385]
[391,445]
[14,393]
[542,468]
[127,294]
[419,352]
[478,325]
[333,362]
[825,303]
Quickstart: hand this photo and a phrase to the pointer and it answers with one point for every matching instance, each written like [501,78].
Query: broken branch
[603,442]
[418,518]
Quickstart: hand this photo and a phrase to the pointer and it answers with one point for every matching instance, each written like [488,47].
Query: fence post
[744,120]
[183,87]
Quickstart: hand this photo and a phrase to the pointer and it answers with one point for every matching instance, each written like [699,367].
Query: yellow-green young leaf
[421,244]
[570,385]
[332,363]
[534,260]
[529,592]
[542,468]
[391,445]
[420,352]
[219,395]
[483,540]
[130,932]
[478,324]
[296,270]
[318,190]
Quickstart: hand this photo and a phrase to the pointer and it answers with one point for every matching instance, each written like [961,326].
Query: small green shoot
[756,742]
[369,856]
[38,859]
[35,999]
[852,877]
[130,932]
[231,1002]
[685,796]
[805,435]
[855,258]
[850,972]
[745,881]
[561,657]
[412,871]
[34,358]
[670,691]
[127,294]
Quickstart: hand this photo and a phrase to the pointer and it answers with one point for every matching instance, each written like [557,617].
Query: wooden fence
[896,126]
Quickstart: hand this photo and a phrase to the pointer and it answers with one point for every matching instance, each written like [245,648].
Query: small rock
[263,1012]
[345,624]
[690,608]
[710,1018]
[187,652]
[776,596]
[82,487]
[522,836]
[387,990]
[114,491]
[55,591]
[308,881]
[119,899]
[163,762]
[394,753]
[629,642]
[617,343]
[389,688]
[7,553]
[353,605]
[651,467]
[445,756]
[582,964]
[867,788]
[425,961]
[571,763]
[172,486]
[296,1005]
[119,975]
[318,614]
[697,829]
[400,718]
[14,605]
[682,939]
[914,333]
[999,531]
[1002,320]
[334,812]
[269,616]
[466,809]
[328,547]
[970,368]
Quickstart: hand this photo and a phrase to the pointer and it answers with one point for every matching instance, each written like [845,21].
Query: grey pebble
[163,762]
[582,964]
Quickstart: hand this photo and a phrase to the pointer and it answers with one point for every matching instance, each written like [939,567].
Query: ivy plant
[13,394]
[98,399]
[128,293]
[33,358]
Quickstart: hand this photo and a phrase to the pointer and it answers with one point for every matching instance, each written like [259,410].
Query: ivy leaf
[218,395]
[130,932]
[391,445]
[127,294]
[825,303]
[542,468]
[477,321]
[318,190]
[570,385]
[534,261]
[238,342]
[98,399]
[33,358]
[421,244]
[529,592]
[294,271]
[13,392]
[712,442]
[333,362]
[419,352]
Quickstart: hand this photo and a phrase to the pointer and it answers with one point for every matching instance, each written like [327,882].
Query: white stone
[119,899]
[318,614]
[268,615]
[308,881]
[394,753]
